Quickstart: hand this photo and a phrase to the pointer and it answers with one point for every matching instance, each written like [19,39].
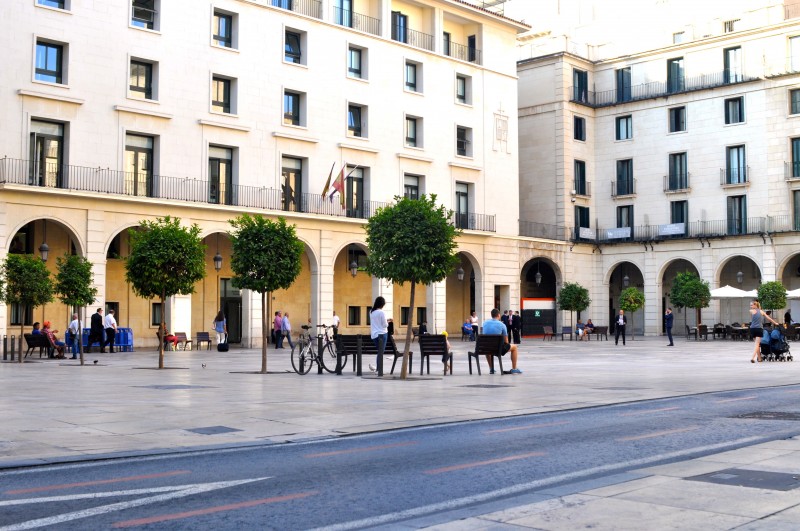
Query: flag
[328,182]
[341,196]
[338,186]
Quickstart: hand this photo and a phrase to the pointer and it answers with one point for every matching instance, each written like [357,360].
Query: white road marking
[178,491]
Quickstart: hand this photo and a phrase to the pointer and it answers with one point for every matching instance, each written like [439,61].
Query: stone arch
[72,232]
[552,276]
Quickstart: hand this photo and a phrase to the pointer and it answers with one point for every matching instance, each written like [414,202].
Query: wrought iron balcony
[657,89]
[623,187]
[184,189]
[473,221]
[357,21]
[462,53]
[734,176]
[534,229]
[311,8]
[676,182]
[414,38]
[583,188]
[792,170]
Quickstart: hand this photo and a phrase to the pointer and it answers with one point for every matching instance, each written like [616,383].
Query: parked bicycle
[304,353]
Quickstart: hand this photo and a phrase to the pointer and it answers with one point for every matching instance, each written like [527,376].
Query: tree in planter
[411,241]
[772,295]
[165,259]
[630,300]
[690,291]
[27,283]
[573,298]
[74,286]
[266,257]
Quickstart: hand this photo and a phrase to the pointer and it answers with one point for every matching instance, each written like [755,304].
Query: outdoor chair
[203,338]
[691,331]
[566,330]
[548,333]
[486,345]
[702,331]
[184,343]
[436,346]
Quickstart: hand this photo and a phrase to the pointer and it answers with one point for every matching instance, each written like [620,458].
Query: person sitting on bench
[51,335]
[169,338]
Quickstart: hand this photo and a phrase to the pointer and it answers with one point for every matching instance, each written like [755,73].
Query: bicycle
[304,353]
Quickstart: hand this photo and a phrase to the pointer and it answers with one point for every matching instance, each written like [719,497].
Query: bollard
[357,359]
[319,353]
[13,346]
[5,347]
[339,358]
[381,350]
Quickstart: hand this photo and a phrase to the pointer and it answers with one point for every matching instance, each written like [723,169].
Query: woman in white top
[473,320]
[379,331]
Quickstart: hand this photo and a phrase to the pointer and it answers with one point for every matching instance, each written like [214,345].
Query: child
[447,359]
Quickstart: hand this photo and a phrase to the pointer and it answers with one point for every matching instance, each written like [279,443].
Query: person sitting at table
[58,346]
[169,338]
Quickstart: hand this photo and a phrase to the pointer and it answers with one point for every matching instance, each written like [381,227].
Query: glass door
[220,175]
[139,165]
[47,140]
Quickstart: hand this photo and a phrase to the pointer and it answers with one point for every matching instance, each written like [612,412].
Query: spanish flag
[328,182]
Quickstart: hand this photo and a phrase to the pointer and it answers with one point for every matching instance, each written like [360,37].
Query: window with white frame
[223,94]
[413,130]
[223,29]
[413,76]
[357,62]
[463,89]
[142,80]
[463,141]
[144,14]
[624,127]
[50,65]
[294,46]
[56,4]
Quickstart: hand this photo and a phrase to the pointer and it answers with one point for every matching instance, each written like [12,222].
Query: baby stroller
[774,346]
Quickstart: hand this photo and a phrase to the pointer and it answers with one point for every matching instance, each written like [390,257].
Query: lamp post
[538,276]
[217,268]
[44,249]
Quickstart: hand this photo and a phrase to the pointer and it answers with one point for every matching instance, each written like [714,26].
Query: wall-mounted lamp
[626,281]
[538,276]
[44,249]
[460,273]
[217,257]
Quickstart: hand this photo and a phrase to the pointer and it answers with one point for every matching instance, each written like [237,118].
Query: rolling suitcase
[223,347]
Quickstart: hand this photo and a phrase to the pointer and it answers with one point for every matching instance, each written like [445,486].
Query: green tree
[266,257]
[690,291]
[573,298]
[74,286]
[27,284]
[630,300]
[166,259]
[412,241]
[772,295]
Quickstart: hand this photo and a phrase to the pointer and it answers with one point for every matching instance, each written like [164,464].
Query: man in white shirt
[335,325]
[110,325]
[75,327]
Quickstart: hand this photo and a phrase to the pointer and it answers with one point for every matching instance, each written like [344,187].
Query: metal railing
[462,53]
[357,21]
[623,187]
[472,221]
[534,229]
[414,38]
[739,175]
[583,188]
[311,8]
[677,182]
[658,88]
[791,170]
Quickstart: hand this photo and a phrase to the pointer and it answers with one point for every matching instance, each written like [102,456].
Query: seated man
[467,329]
[495,327]
[36,331]
[580,330]
[51,335]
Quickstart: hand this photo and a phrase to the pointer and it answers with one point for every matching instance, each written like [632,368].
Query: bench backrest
[488,344]
[181,337]
[203,336]
[349,342]
[433,345]
[601,330]
[548,330]
[37,340]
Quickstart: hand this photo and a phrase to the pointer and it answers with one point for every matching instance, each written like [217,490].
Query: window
[141,80]
[795,171]
[678,175]
[354,63]
[729,25]
[625,182]
[422,315]
[624,127]
[144,14]
[221,94]
[737,214]
[794,54]
[733,65]
[678,37]
[625,216]
[293,42]
[794,99]
[405,312]
[579,128]
[220,175]
[462,206]
[623,84]
[49,62]
[356,120]
[580,86]
[464,141]
[354,316]
[223,31]
[582,218]
[679,212]
[413,76]
[292,185]
[580,178]
[139,165]
[446,40]
[47,154]
[399,27]
[16,316]
[734,110]
[368,311]
[291,108]
[464,89]
[677,119]
[58,4]
[796,205]
[413,131]
[675,76]
[411,186]
[354,192]
[736,169]
[472,50]
[343,12]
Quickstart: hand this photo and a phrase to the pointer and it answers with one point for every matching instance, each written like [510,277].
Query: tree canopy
[27,283]
[573,298]
[165,259]
[690,291]
[412,240]
[772,295]
[266,257]
[75,285]
[630,300]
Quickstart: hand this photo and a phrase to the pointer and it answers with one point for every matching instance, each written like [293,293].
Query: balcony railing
[472,221]
[729,176]
[676,182]
[106,181]
[311,8]
[462,53]
[657,89]
[792,170]
[533,229]
[357,21]
[414,38]
[583,188]
[623,187]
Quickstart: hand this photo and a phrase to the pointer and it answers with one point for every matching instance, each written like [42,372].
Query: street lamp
[626,281]
[538,276]
[460,273]
[217,262]
[739,277]
[44,249]
[353,268]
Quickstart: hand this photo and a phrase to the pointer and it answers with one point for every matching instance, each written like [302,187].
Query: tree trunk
[633,326]
[21,332]
[161,330]
[81,314]
[409,334]
[699,314]
[264,301]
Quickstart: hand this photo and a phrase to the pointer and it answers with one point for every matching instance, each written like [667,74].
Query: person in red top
[51,335]
[169,338]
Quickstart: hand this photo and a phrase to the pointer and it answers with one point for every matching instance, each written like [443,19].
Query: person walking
[668,318]
[621,321]
[110,325]
[221,327]
[276,329]
[379,332]
[75,335]
[757,316]
[286,330]
[96,331]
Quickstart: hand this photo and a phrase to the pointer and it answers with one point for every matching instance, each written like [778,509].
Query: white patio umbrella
[729,292]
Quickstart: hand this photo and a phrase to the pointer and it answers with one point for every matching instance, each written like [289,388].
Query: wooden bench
[434,345]
[37,340]
[201,338]
[599,332]
[184,343]
[486,345]
[347,345]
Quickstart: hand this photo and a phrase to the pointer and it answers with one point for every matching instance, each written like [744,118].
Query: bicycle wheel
[302,358]
[328,357]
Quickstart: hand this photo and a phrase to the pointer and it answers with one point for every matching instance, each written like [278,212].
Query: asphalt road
[406,478]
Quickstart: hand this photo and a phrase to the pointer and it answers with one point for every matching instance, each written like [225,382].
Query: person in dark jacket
[620,322]
[96,331]
[668,318]
[516,327]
